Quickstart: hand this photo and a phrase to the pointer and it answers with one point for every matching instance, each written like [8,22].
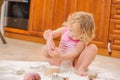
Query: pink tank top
[66,43]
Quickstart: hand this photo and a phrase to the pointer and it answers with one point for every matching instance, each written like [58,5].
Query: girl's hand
[54,53]
[50,52]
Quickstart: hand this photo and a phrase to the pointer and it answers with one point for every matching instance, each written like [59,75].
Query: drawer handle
[109,48]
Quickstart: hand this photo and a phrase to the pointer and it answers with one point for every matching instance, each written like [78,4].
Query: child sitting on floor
[75,46]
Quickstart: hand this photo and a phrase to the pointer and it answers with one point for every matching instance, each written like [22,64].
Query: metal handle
[109,48]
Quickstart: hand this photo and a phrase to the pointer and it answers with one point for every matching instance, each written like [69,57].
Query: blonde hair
[86,24]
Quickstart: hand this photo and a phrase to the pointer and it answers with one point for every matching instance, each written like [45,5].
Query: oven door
[18,14]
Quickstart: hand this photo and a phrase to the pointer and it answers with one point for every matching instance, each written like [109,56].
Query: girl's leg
[44,51]
[84,60]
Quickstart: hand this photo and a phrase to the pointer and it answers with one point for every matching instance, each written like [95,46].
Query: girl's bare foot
[54,61]
[81,72]
[47,34]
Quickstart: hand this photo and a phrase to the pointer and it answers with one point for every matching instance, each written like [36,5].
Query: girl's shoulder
[63,29]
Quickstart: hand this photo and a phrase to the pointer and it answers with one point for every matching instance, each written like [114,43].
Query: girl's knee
[93,47]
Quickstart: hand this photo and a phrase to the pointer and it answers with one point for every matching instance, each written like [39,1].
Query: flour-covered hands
[56,53]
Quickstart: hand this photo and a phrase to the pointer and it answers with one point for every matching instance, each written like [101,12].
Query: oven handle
[18,0]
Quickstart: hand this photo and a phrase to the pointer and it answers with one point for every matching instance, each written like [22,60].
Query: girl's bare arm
[55,33]
[58,32]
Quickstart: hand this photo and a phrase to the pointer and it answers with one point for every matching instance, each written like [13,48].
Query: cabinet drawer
[115,11]
[115,42]
[115,27]
[115,1]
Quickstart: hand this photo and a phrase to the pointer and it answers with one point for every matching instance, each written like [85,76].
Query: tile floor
[28,51]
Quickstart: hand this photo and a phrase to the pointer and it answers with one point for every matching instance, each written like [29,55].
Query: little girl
[75,47]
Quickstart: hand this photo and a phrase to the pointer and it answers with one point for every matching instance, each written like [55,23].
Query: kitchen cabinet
[50,14]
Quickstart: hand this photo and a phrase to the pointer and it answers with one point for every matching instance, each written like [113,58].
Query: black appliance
[18,14]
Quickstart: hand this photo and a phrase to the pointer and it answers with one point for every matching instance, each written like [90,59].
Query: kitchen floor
[20,50]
